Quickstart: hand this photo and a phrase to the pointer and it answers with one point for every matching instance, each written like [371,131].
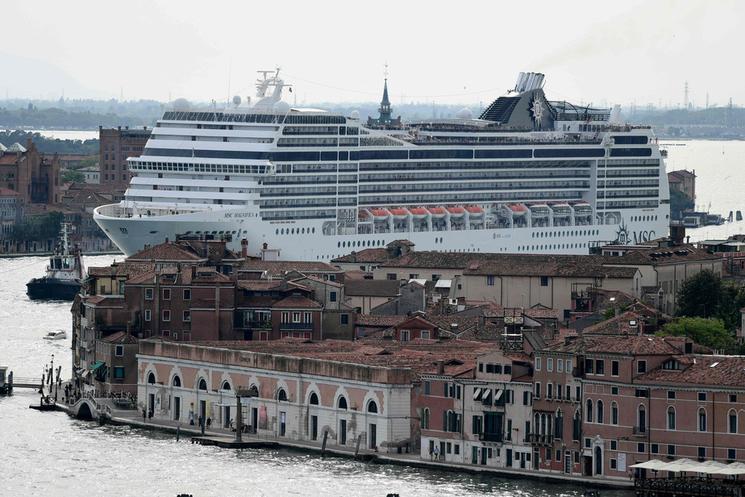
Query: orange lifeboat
[475,211]
[518,208]
[380,214]
[418,212]
[399,213]
[456,211]
[436,212]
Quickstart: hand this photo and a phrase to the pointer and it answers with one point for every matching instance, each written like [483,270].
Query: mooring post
[238,420]
[357,448]
[325,438]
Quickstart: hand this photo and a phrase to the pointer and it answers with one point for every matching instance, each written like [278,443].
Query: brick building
[116,145]
[32,174]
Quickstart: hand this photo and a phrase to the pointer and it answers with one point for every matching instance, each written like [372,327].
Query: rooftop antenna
[707,99]
[685,95]
[230,70]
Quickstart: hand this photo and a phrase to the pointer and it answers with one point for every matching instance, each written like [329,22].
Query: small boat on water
[6,381]
[56,335]
[64,274]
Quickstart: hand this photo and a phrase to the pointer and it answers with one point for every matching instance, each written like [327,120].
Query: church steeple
[384,119]
[385,105]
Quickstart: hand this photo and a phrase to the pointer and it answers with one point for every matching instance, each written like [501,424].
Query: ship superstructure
[529,175]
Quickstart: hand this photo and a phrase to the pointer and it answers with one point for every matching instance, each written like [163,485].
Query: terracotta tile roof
[371,288]
[626,323]
[104,300]
[548,265]
[282,267]
[260,285]
[296,302]
[317,280]
[708,370]
[421,356]
[663,255]
[514,264]
[379,321]
[169,252]
[615,344]
[120,337]
[369,255]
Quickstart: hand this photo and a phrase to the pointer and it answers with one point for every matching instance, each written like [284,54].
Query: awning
[96,365]
[653,464]
[687,465]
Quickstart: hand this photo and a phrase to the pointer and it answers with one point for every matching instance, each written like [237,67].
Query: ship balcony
[119,211]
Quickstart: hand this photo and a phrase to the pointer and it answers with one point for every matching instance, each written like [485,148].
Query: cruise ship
[529,175]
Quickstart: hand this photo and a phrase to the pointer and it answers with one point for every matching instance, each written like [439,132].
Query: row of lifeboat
[381,214]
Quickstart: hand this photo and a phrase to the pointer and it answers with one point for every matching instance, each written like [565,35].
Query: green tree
[73,176]
[708,332]
[700,295]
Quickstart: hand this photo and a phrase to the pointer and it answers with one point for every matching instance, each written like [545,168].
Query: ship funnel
[529,81]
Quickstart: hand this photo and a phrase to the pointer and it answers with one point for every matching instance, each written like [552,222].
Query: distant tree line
[60,118]
[50,145]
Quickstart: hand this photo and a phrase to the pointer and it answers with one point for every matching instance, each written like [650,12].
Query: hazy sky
[600,51]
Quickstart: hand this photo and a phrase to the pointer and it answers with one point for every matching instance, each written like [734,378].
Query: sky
[598,52]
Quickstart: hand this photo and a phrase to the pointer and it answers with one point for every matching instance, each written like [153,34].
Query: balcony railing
[537,439]
[258,325]
[491,437]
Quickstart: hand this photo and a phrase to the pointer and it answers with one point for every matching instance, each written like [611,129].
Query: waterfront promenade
[225,438]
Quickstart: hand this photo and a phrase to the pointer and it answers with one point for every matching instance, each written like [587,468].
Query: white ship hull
[305,241]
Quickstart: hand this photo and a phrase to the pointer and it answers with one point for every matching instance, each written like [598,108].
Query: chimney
[244,248]
[440,367]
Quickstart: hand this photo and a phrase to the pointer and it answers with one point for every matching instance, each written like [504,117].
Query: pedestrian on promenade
[431,454]
[144,415]
[437,453]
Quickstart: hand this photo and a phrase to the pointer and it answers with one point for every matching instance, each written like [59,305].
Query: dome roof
[465,113]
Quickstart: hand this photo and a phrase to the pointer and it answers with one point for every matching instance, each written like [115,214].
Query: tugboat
[65,273]
[6,381]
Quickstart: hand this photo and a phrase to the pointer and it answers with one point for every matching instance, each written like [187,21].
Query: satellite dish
[237,100]
[281,107]
[181,105]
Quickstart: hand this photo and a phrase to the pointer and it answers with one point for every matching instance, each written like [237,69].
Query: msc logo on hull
[624,237]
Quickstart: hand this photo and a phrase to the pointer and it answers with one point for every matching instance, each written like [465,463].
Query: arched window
[151,378]
[342,402]
[671,418]
[702,419]
[176,382]
[202,384]
[732,421]
[226,385]
[425,419]
[614,413]
[588,414]
[601,413]
[641,419]
[313,400]
[281,395]
[542,431]
[372,407]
